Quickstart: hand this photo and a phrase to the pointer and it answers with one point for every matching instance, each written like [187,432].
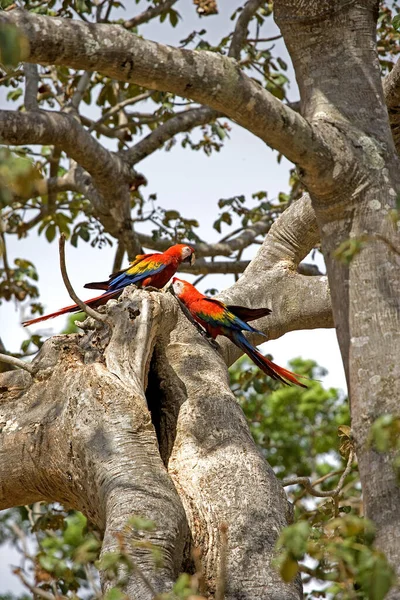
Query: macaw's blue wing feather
[144,265]
[136,273]
[217,315]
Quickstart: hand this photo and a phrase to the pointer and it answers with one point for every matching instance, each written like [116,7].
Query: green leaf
[396,22]
[173,18]
[50,232]
[14,94]
[289,569]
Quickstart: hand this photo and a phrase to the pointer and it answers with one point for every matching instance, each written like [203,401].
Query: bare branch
[241,28]
[110,132]
[114,109]
[80,90]
[84,307]
[222,248]
[119,255]
[39,592]
[31,86]
[183,121]
[108,170]
[309,486]
[149,13]
[206,77]
[16,362]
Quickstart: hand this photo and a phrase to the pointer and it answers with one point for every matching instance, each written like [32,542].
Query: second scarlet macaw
[153,270]
[219,319]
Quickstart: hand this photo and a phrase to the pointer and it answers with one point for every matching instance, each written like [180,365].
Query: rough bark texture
[191,465]
[78,431]
[198,75]
[357,204]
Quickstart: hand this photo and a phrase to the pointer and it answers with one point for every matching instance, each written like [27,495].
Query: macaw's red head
[182,252]
[181,287]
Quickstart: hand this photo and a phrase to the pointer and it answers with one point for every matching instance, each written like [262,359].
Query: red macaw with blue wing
[146,270]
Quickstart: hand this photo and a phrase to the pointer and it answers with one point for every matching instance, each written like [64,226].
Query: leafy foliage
[306,434]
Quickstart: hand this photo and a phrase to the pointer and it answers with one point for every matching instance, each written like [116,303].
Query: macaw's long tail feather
[249,314]
[267,366]
[93,303]
[97,285]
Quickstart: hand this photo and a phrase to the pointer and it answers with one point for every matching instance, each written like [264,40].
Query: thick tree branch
[81,434]
[109,171]
[211,454]
[111,176]
[206,77]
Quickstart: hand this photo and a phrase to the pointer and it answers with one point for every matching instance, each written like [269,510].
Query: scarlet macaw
[153,270]
[220,319]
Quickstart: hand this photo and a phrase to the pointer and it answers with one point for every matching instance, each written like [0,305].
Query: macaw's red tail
[93,302]
[266,365]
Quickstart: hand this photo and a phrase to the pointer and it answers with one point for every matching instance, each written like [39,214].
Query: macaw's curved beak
[190,259]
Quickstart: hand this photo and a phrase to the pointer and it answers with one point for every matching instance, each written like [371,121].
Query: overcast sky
[192,183]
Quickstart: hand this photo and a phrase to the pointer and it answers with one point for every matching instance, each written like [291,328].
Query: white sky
[192,183]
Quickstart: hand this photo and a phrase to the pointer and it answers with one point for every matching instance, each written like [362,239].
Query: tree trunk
[346,157]
[78,431]
[354,203]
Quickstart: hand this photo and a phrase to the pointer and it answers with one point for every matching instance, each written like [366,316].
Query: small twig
[80,90]
[22,537]
[270,39]
[84,307]
[35,590]
[309,486]
[91,580]
[119,106]
[16,362]
[149,13]
[31,86]
[221,580]
[119,255]
[241,28]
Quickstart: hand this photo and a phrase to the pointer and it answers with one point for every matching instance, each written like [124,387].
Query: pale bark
[206,77]
[77,430]
[365,293]
[349,164]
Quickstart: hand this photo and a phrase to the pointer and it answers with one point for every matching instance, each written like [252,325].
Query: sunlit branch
[206,77]
[16,362]
[84,307]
